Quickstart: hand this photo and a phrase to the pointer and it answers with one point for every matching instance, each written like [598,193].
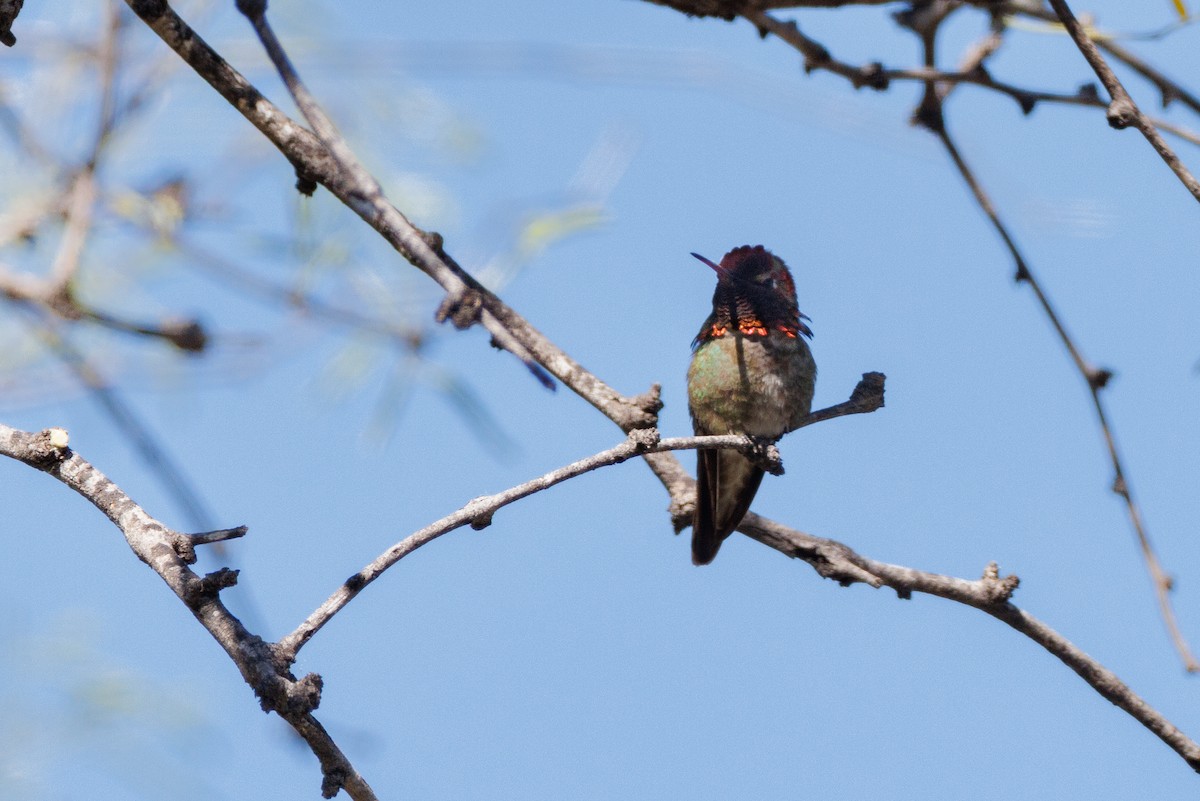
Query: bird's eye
[766,280]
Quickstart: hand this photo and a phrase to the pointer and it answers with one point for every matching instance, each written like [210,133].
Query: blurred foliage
[181,233]
[74,718]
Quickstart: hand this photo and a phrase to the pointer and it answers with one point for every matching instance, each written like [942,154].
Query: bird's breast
[762,386]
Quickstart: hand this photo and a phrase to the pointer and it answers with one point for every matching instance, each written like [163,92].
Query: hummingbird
[751,373]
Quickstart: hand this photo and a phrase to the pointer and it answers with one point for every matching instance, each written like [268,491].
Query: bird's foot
[765,454]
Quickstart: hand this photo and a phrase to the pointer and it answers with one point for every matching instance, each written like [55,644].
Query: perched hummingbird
[752,373]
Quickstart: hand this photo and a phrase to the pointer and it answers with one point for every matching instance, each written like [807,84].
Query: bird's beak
[709,262]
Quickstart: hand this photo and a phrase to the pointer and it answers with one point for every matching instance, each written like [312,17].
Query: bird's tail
[726,484]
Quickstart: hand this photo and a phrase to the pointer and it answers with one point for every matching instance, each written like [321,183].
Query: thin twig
[53,295]
[226,271]
[110,54]
[220,535]
[422,249]
[867,397]
[186,335]
[877,76]
[365,195]
[58,299]
[1169,89]
[1096,379]
[478,514]
[1122,111]
[80,204]
[728,9]
[1176,130]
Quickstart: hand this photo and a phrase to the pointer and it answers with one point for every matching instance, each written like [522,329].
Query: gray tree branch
[1122,111]
[171,554]
[867,397]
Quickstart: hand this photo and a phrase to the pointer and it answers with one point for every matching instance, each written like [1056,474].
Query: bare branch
[228,272]
[831,559]
[59,299]
[220,535]
[80,204]
[366,197]
[1122,111]
[170,554]
[866,397]
[109,56]
[990,594]
[1169,89]
[1096,379]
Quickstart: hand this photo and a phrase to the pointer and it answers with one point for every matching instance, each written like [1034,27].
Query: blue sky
[571,650]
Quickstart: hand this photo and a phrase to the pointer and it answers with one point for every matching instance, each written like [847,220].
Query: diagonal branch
[170,554]
[1096,379]
[465,296]
[1122,111]
[990,594]
[365,195]
[1170,90]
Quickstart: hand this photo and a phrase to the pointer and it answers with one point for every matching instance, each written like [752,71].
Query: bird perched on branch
[752,373]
